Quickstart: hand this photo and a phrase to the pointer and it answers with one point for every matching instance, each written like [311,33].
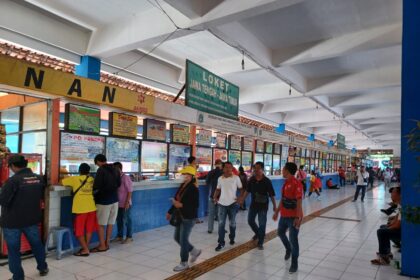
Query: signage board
[259,146]
[223,124]
[22,74]
[204,156]
[248,144]
[154,130]
[235,158]
[235,142]
[122,125]
[341,141]
[180,134]
[210,93]
[221,140]
[82,119]
[277,149]
[268,147]
[220,154]
[123,150]
[203,137]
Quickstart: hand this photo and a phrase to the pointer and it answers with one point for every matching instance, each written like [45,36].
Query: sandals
[97,250]
[380,261]
[80,254]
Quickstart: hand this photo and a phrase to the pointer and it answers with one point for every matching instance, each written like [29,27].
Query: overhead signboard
[268,147]
[203,137]
[180,134]
[223,124]
[80,148]
[122,125]
[154,130]
[207,92]
[82,119]
[221,140]
[248,144]
[235,142]
[341,141]
[259,146]
[18,73]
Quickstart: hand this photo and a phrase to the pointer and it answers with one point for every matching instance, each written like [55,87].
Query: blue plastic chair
[59,233]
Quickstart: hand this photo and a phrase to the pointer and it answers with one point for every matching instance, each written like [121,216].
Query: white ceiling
[342,57]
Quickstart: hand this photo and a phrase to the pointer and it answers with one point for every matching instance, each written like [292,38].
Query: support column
[410,135]
[90,67]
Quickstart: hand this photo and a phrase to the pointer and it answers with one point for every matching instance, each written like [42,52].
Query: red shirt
[292,189]
[341,173]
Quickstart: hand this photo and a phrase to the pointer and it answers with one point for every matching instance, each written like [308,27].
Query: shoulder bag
[287,202]
[73,194]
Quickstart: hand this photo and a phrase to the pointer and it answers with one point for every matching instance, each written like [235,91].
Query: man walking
[387,177]
[225,195]
[211,181]
[362,177]
[260,188]
[291,212]
[106,184]
[301,176]
[342,175]
[20,201]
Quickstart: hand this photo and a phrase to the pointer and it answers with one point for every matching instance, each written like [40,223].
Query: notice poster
[204,156]
[154,157]
[220,154]
[248,144]
[277,149]
[235,142]
[235,158]
[178,155]
[221,140]
[203,137]
[259,158]
[82,119]
[259,146]
[79,148]
[180,134]
[125,151]
[276,165]
[154,130]
[268,147]
[122,125]
[247,161]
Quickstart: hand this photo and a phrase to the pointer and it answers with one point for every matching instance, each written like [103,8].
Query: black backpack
[112,179]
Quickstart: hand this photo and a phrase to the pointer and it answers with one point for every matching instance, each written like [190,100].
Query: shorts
[85,223]
[107,214]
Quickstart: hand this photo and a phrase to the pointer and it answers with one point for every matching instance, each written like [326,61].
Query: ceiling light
[290,89]
[243,60]
[2,93]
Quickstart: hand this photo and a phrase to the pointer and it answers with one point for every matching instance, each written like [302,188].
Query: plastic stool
[59,233]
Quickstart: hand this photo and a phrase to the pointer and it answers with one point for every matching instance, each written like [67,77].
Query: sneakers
[319,198]
[287,256]
[260,247]
[220,247]
[117,240]
[232,242]
[127,240]
[44,272]
[293,268]
[181,267]
[195,253]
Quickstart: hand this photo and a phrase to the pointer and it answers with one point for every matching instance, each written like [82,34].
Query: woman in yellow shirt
[84,208]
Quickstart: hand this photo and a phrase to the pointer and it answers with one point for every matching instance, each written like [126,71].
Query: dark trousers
[385,236]
[358,188]
[292,243]
[342,181]
[12,237]
[259,229]
[124,219]
[370,183]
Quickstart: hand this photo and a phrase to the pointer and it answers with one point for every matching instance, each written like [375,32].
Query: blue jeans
[124,219]
[342,181]
[225,211]
[12,237]
[292,243]
[212,212]
[358,188]
[262,223]
[182,235]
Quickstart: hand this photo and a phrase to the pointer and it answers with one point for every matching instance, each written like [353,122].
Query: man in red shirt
[342,175]
[291,211]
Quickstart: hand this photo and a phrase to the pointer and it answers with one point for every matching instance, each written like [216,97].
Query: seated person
[389,232]
[330,184]
[392,208]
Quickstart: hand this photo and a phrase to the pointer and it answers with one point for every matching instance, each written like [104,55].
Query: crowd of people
[105,199]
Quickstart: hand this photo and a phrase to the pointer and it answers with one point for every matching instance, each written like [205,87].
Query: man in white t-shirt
[387,177]
[362,181]
[226,198]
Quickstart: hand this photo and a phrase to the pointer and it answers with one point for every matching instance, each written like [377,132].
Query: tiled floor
[330,249]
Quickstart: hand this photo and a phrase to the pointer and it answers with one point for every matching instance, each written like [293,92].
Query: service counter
[151,200]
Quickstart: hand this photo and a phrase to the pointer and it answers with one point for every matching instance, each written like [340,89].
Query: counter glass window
[178,155]
[247,161]
[235,158]
[11,118]
[204,159]
[276,165]
[268,163]
[125,151]
[35,116]
[154,159]
[220,154]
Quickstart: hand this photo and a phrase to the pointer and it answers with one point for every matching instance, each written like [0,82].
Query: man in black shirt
[260,188]
[211,182]
[20,201]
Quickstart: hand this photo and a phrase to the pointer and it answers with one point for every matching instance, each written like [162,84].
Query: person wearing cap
[211,182]
[20,201]
[186,201]
[362,181]
[83,208]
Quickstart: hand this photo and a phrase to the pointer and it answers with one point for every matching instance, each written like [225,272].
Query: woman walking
[244,181]
[316,184]
[182,215]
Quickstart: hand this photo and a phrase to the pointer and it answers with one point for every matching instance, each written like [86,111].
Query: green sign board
[82,119]
[210,93]
[341,141]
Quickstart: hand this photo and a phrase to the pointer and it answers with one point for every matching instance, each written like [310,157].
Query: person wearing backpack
[84,209]
[105,188]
